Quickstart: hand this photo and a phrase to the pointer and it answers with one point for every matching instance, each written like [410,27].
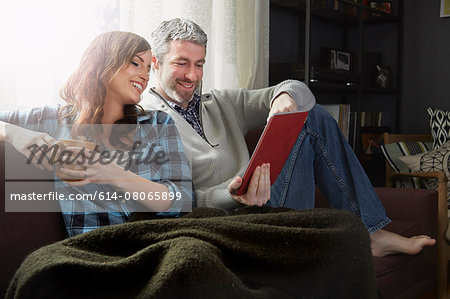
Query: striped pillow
[434,160]
[393,151]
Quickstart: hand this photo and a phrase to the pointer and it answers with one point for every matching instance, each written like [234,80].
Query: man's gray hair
[176,29]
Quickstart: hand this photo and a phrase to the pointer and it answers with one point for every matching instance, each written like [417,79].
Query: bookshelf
[360,35]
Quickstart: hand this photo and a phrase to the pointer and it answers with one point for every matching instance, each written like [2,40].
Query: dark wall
[426,64]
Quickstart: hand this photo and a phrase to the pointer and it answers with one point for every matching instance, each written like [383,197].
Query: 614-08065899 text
[102,196]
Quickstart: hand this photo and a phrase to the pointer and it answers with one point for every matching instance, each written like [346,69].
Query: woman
[102,98]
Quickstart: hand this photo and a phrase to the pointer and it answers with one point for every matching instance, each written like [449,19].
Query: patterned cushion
[434,160]
[440,126]
[394,151]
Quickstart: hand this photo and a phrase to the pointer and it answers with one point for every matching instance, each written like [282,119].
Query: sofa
[412,212]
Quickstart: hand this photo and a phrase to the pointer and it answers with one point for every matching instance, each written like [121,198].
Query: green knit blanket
[254,253]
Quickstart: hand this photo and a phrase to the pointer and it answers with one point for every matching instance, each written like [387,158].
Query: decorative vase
[383,77]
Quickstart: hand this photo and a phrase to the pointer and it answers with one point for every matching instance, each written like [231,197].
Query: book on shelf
[341,113]
[351,10]
[371,119]
[352,130]
[333,4]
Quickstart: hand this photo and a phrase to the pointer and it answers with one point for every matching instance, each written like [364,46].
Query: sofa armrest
[443,221]
[442,203]
[416,206]
[22,232]
[413,212]
[440,175]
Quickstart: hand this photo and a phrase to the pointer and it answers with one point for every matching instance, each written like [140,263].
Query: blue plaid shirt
[191,114]
[82,216]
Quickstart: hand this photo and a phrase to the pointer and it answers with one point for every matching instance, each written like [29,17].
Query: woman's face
[129,83]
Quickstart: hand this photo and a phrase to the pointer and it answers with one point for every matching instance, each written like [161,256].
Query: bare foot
[386,243]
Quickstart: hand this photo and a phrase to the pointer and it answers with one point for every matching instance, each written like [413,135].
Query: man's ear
[155,62]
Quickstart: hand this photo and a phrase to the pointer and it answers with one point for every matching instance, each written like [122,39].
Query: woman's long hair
[84,91]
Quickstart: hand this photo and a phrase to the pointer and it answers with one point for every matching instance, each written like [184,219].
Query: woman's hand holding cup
[70,158]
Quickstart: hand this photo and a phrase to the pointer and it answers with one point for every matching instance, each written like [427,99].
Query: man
[213,126]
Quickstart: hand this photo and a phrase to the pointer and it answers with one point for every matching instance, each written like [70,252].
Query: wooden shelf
[345,28]
[375,89]
[330,14]
[299,5]
[345,87]
[330,86]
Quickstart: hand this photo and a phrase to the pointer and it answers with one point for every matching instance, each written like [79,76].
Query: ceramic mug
[61,145]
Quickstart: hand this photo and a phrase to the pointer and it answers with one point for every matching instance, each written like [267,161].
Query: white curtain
[42,41]
[238,35]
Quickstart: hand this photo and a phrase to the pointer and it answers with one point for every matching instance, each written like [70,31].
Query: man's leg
[322,156]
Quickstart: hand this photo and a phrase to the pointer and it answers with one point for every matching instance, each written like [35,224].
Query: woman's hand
[36,146]
[108,171]
[258,192]
[95,168]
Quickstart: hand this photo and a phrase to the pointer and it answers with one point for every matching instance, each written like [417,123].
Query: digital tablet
[274,145]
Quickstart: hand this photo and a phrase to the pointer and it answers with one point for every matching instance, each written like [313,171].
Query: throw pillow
[434,160]
[393,151]
[440,126]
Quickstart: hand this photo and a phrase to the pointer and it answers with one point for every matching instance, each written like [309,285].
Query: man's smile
[186,85]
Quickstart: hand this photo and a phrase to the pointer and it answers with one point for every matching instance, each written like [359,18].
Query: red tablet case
[274,145]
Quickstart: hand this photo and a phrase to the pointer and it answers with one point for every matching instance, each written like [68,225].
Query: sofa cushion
[433,160]
[439,125]
[393,152]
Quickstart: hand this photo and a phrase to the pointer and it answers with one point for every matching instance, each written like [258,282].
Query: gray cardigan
[227,115]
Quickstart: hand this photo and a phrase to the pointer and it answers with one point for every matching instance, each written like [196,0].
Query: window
[42,43]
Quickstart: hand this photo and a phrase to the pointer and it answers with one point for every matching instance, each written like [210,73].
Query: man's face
[180,72]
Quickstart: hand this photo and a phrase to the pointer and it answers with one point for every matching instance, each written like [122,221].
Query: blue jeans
[322,156]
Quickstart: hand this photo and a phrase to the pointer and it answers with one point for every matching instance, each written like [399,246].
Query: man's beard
[173,94]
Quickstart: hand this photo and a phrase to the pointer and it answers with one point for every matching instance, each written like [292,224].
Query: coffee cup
[61,158]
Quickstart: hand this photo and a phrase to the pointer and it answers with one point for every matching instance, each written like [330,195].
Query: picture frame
[343,60]
[371,142]
[336,59]
[372,138]
[383,6]
[329,58]
[332,59]
[445,8]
